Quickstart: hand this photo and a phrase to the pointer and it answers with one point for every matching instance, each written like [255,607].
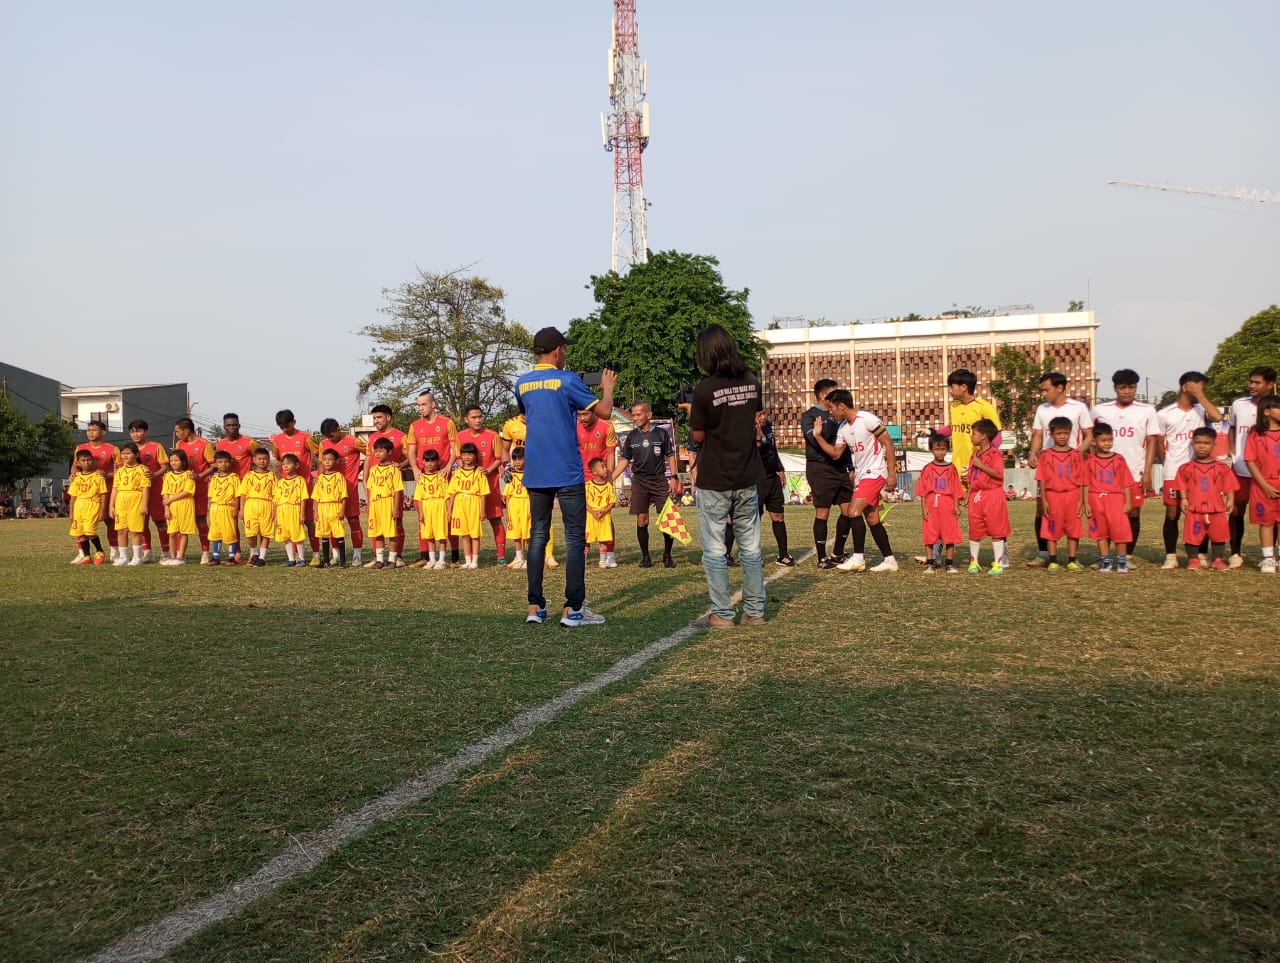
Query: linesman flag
[670,523]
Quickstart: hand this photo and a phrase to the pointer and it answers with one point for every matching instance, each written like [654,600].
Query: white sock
[262,553]
[975,549]
[380,554]
[1268,551]
[393,555]
[519,555]
[137,552]
[858,558]
[997,544]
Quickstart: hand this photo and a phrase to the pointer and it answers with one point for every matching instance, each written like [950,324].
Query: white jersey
[1134,425]
[1077,412]
[859,436]
[1244,417]
[1178,425]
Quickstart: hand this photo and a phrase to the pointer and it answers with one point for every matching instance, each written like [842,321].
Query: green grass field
[1044,766]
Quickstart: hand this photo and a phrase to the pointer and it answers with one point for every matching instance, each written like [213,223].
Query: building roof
[111,389]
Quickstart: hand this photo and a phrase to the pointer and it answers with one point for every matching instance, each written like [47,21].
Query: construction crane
[626,135]
[1232,194]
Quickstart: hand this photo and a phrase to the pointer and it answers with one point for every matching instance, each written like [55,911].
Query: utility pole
[626,134]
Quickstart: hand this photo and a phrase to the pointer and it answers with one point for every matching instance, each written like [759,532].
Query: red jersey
[981,481]
[438,435]
[1203,484]
[486,442]
[1060,471]
[348,449]
[299,444]
[942,480]
[595,442]
[1264,448]
[199,456]
[153,456]
[1108,474]
[241,451]
[397,443]
[105,458]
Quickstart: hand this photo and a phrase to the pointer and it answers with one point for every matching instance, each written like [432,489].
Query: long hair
[1265,402]
[717,353]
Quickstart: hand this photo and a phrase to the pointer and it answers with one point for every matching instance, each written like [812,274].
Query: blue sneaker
[1104,565]
[573,618]
[1122,566]
[536,615]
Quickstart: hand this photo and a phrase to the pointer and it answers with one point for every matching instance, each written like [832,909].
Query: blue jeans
[573,509]
[714,509]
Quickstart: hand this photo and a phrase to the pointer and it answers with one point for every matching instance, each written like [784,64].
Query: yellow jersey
[432,488]
[291,490]
[963,418]
[469,481]
[177,482]
[384,482]
[515,431]
[258,484]
[224,489]
[132,478]
[329,488]
[92,485]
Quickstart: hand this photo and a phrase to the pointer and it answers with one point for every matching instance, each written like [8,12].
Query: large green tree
[1015,385]
[29,448]
[647,323]
[1257,343]
[448,332]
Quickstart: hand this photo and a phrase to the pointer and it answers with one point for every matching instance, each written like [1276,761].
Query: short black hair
[84,453]
[222,456]
[230,414]
[1059,422]
[384,444]
[430,455]
[289,456]
[471,408]
[595,461]
[97,421]
[181,455]
[331,451]
[262,451]
[821,385]
[1189,376]
[963,376]
[1204,431]
[381,410]
[469,448]
[329,425]
[1101,428]
[1126,377]
[130,446]
[283,417]
[938,438]
[840,396]
[517,452]
[1265,372]
[985,427]
[186,423]
[1055,378]
[139,424]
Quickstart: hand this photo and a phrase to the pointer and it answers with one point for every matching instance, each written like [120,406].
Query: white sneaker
[603,563]
[1235,561]
[179,561]
[204,558]
[890,564]
[136,561]
[146,557]
[1170,563]
[167,561]
[1268,566]
[610,561]
[439,564]
[120,560]
[80,558]
[583,616]
[371,563]
[853,566]
[357,559]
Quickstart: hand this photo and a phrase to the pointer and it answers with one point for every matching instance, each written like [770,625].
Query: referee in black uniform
[828,478]
[655,470]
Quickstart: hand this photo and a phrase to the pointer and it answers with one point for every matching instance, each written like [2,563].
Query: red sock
[146,538]
[500,537]
[333,543]
[607,546]
[315,544]
[202,526]
[399,542]
[357,533]
[112,539]
[164,540]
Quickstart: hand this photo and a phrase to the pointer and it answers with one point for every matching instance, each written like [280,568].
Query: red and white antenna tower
[626,133]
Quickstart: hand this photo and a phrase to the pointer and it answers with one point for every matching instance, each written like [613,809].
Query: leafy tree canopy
[647,323]
[448,332]
[1015,386]
[28,448]
[1256,344]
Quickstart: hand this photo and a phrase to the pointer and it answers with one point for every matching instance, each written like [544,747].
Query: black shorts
[830,486]
[646,491]
[770,495]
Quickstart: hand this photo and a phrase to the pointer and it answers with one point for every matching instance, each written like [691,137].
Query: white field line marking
[155,940]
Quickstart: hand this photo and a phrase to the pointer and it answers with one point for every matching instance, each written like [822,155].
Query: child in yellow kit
[290,494]
[385,487]
[178,498]
[129,500]
[224,495]
[258,506]
[467,490]
[88,493]
[600,501]
[432,498]
[329,492]
[516,497]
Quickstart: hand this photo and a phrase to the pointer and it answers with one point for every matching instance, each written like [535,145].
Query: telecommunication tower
[626,134]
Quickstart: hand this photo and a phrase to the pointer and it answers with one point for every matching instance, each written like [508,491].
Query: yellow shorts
[433,520]
[329,520]
[257,518]
[289,523]
[599,529]
[518,521]
[131,512]
[183,521]
[466,515]
[84,522]
[381,522]
[222,523]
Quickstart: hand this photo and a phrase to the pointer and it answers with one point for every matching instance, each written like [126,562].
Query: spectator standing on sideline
[550,398]
[722,420]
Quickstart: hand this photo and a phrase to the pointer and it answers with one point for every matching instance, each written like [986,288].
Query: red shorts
[1170,495]
[943,524]
[1137,497]
[1197,525]
[1264,511]
[351,504]
[155,501]
[1062,516]
[1246,489]
[492,507]
[869,490]
[202,497]
[988,515]
[1108,519]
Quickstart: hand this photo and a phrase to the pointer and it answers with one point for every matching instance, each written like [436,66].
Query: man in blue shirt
[550,398]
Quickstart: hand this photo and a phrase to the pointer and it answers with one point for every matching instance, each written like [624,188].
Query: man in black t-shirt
[771,490]
[648,451]
[828,477]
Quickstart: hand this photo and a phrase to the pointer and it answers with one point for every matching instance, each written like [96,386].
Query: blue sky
[218,193]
